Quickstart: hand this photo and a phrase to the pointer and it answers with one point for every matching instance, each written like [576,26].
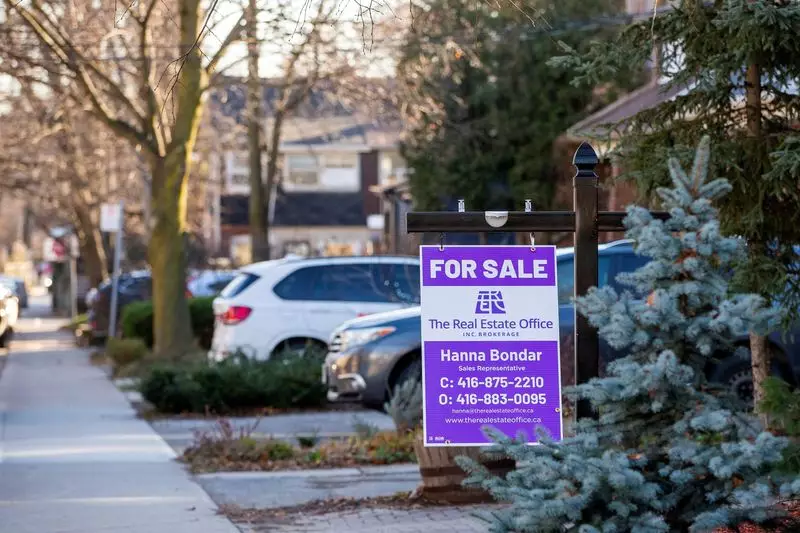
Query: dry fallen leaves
[400,500]
[211,454]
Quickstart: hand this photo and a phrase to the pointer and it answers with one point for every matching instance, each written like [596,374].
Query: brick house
[329,158]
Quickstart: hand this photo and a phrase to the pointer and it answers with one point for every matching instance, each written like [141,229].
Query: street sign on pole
[490,343]
[111,217]
[114,219]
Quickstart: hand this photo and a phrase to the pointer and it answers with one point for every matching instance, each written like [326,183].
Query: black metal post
[587,343]
[586,221]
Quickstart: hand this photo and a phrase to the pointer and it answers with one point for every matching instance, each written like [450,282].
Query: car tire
[296,348]
[413,370]
[5,338]
[736,374]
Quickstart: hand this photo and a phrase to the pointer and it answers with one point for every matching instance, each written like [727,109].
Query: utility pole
[259,239]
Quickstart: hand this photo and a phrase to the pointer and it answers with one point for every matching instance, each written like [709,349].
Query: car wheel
[298,348]
[5,338]
[736,374]
[413,370]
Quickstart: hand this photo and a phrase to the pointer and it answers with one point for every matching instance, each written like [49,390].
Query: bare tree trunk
[91,244]
[758,343]
[166,249]
[259,238]
[272,167]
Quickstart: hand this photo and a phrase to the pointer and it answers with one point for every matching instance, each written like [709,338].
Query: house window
[341,160]
[302,170]
[240,179]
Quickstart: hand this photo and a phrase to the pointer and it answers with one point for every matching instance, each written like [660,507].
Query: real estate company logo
[490,303]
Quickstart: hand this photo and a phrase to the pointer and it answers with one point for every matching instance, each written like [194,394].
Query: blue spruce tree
[667,452]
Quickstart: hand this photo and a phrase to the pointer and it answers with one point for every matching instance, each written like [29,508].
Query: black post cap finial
[585,157]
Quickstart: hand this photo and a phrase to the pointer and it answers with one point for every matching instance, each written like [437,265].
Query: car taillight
[235,314]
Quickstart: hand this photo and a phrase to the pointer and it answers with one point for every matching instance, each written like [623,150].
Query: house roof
[603,121]
[346,130]
[300,209]
[656,92]
[323,118]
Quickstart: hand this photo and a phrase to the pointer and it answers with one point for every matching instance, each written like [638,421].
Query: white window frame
[327,158]
[288,167]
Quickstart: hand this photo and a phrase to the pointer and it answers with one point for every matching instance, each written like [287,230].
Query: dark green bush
[782,404]
[235,385]
[137,321]
[201,311]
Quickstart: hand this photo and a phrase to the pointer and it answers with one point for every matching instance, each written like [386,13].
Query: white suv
[285,304]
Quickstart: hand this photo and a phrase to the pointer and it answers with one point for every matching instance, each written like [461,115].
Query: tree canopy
[482,106]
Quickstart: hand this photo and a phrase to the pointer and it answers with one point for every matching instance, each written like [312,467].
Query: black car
[369,356]
[133,287]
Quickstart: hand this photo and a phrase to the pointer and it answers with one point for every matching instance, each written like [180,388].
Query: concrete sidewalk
[73,456]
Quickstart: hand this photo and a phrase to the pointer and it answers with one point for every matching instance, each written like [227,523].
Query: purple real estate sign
[489,343]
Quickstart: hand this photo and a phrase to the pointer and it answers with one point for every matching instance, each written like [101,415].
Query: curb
[365,471]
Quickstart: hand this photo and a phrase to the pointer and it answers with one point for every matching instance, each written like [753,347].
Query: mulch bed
[408,501]
[400,500]
[212,454]
[786,525]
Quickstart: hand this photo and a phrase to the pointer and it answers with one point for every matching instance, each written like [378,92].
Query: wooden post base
[442,477]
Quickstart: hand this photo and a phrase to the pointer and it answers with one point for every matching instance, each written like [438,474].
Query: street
[73,456]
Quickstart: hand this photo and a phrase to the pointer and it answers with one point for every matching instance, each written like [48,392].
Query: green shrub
[201,311]
[235,385]
[782,404]
[125,352]
[75,323]
[405,405]
[137,321]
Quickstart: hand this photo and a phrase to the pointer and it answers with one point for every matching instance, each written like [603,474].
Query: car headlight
[357,337]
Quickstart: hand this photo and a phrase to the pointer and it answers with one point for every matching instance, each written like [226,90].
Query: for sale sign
[489,342]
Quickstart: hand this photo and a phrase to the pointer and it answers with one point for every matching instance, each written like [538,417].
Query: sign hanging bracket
[529,209]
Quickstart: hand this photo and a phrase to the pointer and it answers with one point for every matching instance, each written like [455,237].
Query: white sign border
[422,346]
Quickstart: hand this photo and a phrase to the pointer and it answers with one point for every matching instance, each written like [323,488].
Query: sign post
[74,253]
[111,220]
[490,343]
[585,221]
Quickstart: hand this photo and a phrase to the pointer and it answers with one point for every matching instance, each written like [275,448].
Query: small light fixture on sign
[496,219]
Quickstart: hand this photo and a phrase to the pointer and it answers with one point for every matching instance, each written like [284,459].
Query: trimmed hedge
[137,321]
[235,385]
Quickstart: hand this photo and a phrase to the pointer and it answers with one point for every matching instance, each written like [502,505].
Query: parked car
[285,304]
[209,282]
[9,312]
[368,357]
[133,287]
[17,286]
